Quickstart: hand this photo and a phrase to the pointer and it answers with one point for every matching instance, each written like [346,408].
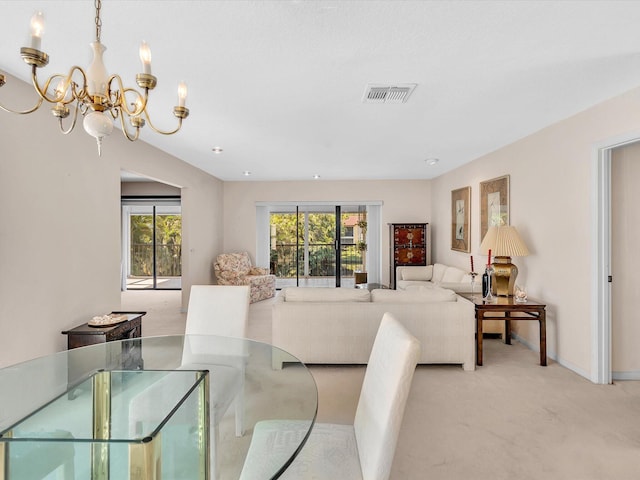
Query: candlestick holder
[473,283]
[489,296]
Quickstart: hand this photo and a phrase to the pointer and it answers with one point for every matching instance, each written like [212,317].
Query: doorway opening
[601,364]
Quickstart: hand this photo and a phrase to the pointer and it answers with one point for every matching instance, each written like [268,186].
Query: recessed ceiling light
[316,176]
[246,173]
[216,150]
[432,161]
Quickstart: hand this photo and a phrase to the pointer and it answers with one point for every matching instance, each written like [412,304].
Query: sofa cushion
[414,295]
[320,294]
[438,272]
[407,284]
[452,274]
[415,285]
[417,273]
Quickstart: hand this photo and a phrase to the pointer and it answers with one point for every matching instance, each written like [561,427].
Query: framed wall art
[494,203]
[460,219]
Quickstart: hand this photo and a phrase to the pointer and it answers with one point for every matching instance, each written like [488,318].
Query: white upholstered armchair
[236,269]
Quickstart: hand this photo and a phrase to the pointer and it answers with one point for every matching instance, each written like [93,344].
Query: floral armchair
[236,269]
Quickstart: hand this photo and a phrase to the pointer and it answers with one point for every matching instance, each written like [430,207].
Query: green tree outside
[321,245]
[168,245]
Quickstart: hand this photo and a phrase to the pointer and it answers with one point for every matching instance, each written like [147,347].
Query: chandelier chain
[98,5]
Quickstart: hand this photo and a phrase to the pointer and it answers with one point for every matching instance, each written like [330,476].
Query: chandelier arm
[162,132]
[121,97]
[115,96]
[140,106]
[125,132]
[76,94]
[73,122]
[79,94]
[42,91]
[23,112]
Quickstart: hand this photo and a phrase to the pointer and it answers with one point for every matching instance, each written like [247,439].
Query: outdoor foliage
[321,246]
[168,245]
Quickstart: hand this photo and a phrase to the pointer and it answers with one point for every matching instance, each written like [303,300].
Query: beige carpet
[510,419]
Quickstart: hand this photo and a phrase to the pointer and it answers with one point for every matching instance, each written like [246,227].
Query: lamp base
[504,276]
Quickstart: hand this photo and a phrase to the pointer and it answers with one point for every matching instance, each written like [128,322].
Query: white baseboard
[625,375]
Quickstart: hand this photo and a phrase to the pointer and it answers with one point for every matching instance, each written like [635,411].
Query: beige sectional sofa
[338,325]
[444,276]
[438,275]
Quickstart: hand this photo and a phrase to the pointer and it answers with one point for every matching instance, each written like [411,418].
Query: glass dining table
[171,407]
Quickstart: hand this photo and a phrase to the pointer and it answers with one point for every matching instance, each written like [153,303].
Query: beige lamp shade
[504,241]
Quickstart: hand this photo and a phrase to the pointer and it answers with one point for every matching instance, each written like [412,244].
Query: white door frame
[601,256]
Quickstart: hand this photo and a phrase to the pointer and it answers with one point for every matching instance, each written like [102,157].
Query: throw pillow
[452,274]
[417,273]
[438,272]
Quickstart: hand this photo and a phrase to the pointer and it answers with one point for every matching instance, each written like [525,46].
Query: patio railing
[168,260]
[322,260]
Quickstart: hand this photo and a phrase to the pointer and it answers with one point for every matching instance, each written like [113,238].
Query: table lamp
[505,242]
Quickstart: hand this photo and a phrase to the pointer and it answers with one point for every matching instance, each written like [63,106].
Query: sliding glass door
[319,245]
[152,245]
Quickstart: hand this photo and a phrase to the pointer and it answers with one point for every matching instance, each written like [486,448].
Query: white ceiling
[278,84]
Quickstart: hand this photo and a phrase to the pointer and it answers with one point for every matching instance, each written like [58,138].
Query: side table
[512,310]
[128,355]
[84,335]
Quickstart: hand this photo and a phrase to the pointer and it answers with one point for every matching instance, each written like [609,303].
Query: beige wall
[60,245]
[403,201]
[551,176]
[148,188]
[60,224]
[625,261]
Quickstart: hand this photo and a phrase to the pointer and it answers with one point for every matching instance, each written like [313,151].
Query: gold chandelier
[99,97]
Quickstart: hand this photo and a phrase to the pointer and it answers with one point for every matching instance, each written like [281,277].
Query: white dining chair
[221,310]
[362,451]
[218,310]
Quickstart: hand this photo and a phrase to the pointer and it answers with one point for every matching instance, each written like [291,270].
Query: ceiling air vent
[377,93]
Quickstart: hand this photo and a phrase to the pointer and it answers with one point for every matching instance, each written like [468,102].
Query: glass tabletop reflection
[135,407]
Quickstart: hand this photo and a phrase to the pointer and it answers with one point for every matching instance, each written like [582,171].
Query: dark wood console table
[84,334]
[508,309]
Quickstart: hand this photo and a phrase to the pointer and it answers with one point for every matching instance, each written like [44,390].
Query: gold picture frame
[461,219]
[494,203]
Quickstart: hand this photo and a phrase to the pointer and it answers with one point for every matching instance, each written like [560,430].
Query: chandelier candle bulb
[37,29]
[145,57]
[182,94]
[60,90]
